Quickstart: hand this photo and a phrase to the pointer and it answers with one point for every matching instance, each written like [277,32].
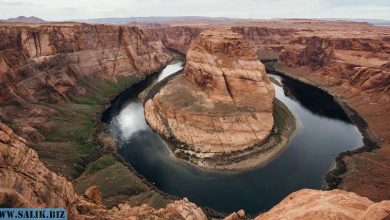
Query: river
[323,131]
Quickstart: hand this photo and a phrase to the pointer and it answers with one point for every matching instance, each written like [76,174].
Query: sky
[58,10]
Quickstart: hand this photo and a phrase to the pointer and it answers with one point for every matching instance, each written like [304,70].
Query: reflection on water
[170,69]
[323,132]
[308,97]
[130,120]
[129,117]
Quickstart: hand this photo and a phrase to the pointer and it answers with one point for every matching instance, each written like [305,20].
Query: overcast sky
[78,9]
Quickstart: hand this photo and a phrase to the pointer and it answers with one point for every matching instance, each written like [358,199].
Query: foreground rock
[335,204]
[26,182]
[222,103]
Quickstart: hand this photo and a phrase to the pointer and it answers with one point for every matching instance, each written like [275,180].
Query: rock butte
[224,100]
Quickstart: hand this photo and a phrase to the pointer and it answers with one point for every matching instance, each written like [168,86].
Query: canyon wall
[356,70]
[26,182]
[51,63]
[56,79]
[178,38]
[43,63]
[268,41]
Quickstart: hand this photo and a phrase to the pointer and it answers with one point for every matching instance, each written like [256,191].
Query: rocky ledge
[335,204]
[221,104]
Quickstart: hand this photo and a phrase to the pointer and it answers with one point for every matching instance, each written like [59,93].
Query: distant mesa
[24,19]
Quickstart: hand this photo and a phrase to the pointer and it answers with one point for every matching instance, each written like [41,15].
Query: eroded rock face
[356,69]
[43,63]
[178,38]
[26,182]
[335,204]
[51,63]
[224,100]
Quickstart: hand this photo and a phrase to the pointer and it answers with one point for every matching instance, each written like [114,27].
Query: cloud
[77,9]
[17,3]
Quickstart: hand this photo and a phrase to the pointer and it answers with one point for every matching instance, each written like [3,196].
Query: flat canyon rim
[323,132]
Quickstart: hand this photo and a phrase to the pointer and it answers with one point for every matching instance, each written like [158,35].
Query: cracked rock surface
[222,103]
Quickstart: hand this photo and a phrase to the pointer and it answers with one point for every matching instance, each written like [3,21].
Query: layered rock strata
[222,103]
[356,71]
[50,63]
[26,182]
[55,79]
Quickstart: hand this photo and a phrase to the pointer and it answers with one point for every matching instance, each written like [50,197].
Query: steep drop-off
[55,80]
[50,63]
[356,71]
[26,182]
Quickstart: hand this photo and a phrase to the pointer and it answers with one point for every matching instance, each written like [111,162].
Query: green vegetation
[283,117]
[100,164]
[117,183]
[70,145]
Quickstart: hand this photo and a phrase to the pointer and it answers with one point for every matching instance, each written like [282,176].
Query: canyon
[347,59]
[56,79]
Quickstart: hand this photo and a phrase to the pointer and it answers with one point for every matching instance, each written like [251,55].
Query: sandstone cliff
[222,102]
[335,204]
[26,182]
[55,80]
[268,41]
[356,70]
[178,38]
[49,63]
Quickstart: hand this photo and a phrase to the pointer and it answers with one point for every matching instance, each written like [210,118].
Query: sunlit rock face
[222,103]
[335,204]
[26,182]
[52,63]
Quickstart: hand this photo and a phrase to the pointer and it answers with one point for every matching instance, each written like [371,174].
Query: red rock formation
[24,19]
[178,38]
[355,69]
[268,41]
[44,63]
[26,182]
[222,103]
[48,63]
[335,204]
